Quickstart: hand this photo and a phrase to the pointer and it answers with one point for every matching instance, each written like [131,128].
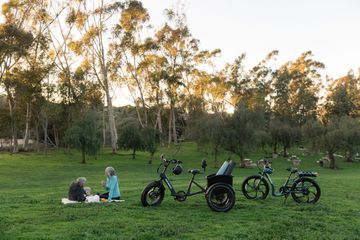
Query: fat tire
[146,191]
[213,190]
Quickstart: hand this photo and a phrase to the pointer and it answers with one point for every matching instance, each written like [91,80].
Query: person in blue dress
[111,185]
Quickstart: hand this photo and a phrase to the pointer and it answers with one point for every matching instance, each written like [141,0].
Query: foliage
[211,131]
[130,137]
[283,133]
[240,130]
[343,97]
[337,134]
[151,139]
[85,134]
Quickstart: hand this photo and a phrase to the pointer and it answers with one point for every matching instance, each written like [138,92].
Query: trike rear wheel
[255,187]
[220,197]
[153,194]
[305,190]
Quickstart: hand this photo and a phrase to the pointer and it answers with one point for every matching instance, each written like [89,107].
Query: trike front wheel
[153,194]
[305,190]
[220,197]
[255,187]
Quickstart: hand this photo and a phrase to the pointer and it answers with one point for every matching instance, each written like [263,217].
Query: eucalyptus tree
[252,87]
[93,26]
[280,93]
[129,60]
[15,41]
[181,56]
[343,97]
[304,87]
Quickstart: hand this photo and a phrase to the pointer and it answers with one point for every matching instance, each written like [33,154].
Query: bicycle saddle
[194,171]
[292,170]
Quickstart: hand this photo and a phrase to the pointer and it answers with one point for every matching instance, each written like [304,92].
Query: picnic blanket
[89,199]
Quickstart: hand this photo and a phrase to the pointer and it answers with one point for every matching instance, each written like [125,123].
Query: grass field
[31,187]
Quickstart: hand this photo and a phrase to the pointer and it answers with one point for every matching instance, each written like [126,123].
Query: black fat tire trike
[219,193]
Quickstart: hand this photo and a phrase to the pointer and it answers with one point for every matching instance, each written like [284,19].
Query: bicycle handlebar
[266,164]
[174,161]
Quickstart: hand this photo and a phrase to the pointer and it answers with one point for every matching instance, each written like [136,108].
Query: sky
[330,29]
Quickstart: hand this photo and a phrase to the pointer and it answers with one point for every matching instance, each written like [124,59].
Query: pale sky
[329,28]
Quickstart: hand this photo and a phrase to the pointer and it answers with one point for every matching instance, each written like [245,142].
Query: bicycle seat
[292,170]
[194,171]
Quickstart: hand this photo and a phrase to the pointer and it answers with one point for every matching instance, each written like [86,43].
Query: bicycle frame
[284,186]
[188,193]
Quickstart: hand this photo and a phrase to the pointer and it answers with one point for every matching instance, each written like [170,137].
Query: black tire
[220,197]
[153,194]
[254,187]
[305,190]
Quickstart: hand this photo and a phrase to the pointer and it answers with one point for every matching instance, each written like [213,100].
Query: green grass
[31,187]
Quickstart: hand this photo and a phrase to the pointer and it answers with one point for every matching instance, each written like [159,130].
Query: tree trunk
[56,137]
[83,155]
[133,154]
[285,152]
[139,115]
[170,130]
[275,148]
[14,145]
[174,127]
[159,124]
[332,160]
[111,119]
[27,127]
[104,128]
[37,135]
[45,126]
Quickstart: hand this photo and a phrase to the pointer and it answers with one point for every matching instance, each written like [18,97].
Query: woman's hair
[81,180]
[110,171]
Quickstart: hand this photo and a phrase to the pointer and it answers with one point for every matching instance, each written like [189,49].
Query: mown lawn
[31,187]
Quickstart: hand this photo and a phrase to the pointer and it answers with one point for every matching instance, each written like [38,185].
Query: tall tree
[92,19]
[129,56]
[304,87]
[14,44]
[177,48]
[343,97]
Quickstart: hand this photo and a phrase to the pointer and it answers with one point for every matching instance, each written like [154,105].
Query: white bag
[92,199]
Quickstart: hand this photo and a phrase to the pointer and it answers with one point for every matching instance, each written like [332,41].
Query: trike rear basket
[212,179]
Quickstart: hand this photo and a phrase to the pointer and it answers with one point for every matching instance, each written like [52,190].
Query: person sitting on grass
[76,190]
[111,185]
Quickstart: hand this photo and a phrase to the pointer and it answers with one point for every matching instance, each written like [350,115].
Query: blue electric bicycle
[300,185]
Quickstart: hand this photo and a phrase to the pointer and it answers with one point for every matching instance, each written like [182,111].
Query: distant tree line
[62,61]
